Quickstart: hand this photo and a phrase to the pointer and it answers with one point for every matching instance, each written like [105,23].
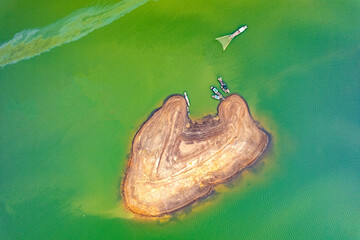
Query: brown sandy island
[175,161]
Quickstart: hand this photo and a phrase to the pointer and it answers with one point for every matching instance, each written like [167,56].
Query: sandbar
[175,160]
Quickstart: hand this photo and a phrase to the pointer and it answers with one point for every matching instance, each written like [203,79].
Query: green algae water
[79,78]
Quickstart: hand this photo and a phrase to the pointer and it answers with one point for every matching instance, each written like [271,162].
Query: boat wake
[32,42]
[225,40]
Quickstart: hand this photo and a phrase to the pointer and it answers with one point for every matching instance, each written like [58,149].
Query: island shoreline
[261,155]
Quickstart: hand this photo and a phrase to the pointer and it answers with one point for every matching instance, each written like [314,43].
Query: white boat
[223,85]
[217,95]
[187,99]
[225,40]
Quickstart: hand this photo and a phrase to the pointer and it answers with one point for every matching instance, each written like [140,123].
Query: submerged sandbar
[175,161]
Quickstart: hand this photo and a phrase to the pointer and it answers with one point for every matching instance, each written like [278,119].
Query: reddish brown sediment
[175,161]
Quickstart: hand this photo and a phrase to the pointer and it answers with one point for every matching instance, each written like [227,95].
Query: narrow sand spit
[175,161]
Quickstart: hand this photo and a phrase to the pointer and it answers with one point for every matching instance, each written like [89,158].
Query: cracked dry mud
[175,161]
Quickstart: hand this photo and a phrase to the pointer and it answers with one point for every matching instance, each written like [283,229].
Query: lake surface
[68,115]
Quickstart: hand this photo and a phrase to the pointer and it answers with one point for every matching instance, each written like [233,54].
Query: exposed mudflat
[175,161]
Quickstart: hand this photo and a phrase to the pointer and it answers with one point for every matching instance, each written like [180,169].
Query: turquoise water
[68,115]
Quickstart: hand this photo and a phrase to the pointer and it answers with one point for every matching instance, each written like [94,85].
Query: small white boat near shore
[187,99]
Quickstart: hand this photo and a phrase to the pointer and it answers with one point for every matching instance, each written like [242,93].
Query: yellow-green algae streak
[31,42]
[68,116]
